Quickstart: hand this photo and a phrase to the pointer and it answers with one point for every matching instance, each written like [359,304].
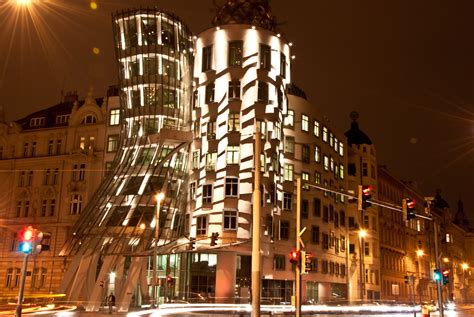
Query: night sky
[405,66]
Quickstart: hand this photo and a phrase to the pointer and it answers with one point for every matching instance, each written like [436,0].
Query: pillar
[225,276]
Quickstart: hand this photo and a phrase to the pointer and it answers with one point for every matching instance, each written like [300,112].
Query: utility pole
[19,303]
[298,247]
[256,255]
[438,267]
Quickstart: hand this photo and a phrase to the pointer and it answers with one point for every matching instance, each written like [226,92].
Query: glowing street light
[23,2]
[445,260]
[465,266]
[420,252]
[362,233]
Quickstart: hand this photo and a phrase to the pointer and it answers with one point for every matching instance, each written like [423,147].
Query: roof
[50,114]
[355,135]
[252,12]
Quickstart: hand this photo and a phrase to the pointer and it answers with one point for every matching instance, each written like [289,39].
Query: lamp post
[419,253]
[159,198]
[362,235]
[464,266]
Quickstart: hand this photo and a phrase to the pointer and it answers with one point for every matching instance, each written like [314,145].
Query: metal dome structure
[254,12]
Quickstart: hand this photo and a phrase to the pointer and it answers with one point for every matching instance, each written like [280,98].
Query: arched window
[89,119]
[75,204]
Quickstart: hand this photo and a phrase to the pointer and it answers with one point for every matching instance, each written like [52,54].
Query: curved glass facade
[154,54]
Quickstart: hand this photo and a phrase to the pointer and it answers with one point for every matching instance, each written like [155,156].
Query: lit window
[449,238]
[211,159]
[234,122]
[195,163]
[75,204]
[89,119]
[234,89]
[207,194]
[331,164]
[341,149]
[265,57]
[289,144]
[231,187]
[210,93]
[192,191]
[37,122]
[341,171]
[114,117]
[325,134]
[206,58]
[304,123]
[230,220]
[326,163]
[233,154]
[305,178]
[201,225]
[317,177]
[317,154]
[290,118]
[236,53]
[316,128]
[289,172]
[331,139]
[211,130]
[112,143]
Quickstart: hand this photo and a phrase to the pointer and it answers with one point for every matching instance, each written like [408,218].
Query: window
[279,262]
[234,89]
[234,122]
[331,164]
[47,177]
[206,58]
[325,241]
[304,123]
[341,149]
[211,159]
[236,53]
[288,172]
[316,128]
[114,117]
[58,146]
[284,230]
[233,154]
[26,145]
[55,176]
[37,122]
[325,134]
[262,127]
[290,118]
[50,147]
[62,119]
[33,148]
[317,207]
[289,144]
[262,91]
[325,213]
[305,178]
[52,207]
[342,218]
[207,194]
[305,154]
[211,130]
[29,180]
[75,204]
[265,57]
[326,163]
[331,139]
[231,187]
[343,243]
[192,191]
[341,171]
[112,143]
[89,119]
[78,172]
[315,234]
[282,65]
[230,220]
[366,249]
[201,225]
[364,169]
[195,162]
[287,201]
[317,177]
[210,93]
[317,154]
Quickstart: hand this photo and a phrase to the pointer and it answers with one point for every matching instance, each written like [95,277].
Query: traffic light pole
[438,267]
[298,247]
[256,256]
[22,287]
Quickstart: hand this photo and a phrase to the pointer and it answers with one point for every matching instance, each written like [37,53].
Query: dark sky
[406,66]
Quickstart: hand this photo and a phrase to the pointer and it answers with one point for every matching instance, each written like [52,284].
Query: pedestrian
[111,302]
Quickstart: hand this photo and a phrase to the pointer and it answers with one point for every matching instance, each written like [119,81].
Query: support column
[226,276]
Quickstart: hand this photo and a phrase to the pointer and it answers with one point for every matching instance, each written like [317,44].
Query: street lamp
[419,253]
[159,197]
[23,2]
[362,235]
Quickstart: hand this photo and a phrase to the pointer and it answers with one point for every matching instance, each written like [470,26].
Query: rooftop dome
[354,134]
[254,12]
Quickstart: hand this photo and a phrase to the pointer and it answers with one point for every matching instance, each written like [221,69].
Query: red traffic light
[367,190]
[28,234]
[411,203]
[446,272]
[294,256]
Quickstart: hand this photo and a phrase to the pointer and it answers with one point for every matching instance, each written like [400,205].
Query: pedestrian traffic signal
[409,208]
[41,241]
[27,238]
[307,258]
[445,276]
[214,237]
[437,275]
[294,257]
[365,194]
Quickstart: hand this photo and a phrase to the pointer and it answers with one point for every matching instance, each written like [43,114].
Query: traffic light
[40,239]
[407,279]
[169,280]
[365,194]
[445,276]
[437,275]
[192,243]
[294,257]
[306,264]
[27,239]
[409,208]
[214,237]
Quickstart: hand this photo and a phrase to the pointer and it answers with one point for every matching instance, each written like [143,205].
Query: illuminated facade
[52,162]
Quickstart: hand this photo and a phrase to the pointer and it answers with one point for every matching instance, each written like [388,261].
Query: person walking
[111,302]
